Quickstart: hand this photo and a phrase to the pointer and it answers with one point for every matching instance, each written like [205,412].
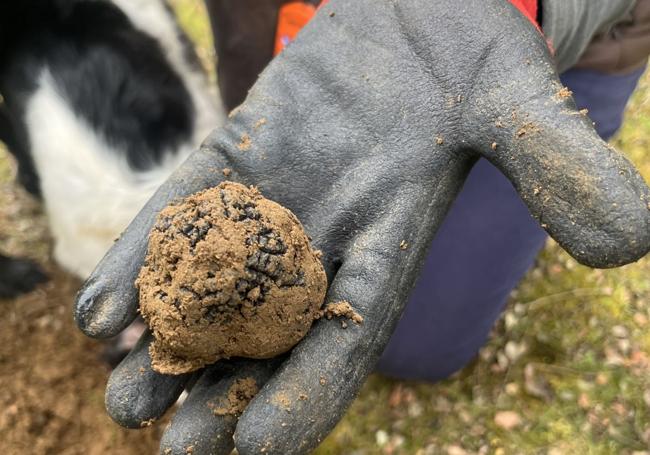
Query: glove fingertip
[136,395]
[117,402]
[132,404]
[254,432]
[268,427]
[95,311]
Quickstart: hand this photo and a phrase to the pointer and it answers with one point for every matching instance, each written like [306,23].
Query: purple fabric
[604,95]
[484,247]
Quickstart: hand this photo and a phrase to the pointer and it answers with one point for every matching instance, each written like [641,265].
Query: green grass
[193,17]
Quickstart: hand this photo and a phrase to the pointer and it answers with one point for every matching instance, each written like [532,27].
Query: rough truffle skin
[228,273]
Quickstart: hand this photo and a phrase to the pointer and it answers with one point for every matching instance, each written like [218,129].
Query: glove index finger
[108,301]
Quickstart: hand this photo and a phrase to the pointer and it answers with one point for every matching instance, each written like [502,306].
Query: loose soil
[52,381]
[241,392]
[341,309]
[51,376]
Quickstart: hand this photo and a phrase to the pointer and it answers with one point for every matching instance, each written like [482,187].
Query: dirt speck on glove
[564,93]
[228,273]
[241,392]
[341,309]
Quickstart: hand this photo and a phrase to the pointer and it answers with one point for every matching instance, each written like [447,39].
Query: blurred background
[566,371]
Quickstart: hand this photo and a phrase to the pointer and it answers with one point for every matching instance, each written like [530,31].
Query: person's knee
[435,364]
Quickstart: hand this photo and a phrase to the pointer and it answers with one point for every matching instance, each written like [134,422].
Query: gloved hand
[365,127]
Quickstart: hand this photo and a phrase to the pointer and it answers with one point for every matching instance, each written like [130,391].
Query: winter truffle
[228,273]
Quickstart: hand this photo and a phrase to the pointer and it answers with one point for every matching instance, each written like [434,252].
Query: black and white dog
[102,101]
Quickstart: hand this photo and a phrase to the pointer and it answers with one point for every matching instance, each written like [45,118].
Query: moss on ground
[23,228]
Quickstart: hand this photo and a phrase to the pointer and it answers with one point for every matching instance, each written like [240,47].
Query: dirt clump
[228,274]
[564,93]
[527,128]
[245,143]
[341,309]
[241,392]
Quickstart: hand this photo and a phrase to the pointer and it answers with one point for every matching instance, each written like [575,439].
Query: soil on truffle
[241,392]
[228,273]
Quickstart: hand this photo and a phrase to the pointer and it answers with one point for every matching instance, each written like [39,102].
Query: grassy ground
[566,370]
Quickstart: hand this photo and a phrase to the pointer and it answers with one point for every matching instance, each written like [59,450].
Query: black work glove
[366,127]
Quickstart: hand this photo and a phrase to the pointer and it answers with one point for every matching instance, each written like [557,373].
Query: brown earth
[51,377]
[52,381]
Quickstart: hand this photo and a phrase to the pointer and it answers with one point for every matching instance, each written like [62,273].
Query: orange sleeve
[291,18]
